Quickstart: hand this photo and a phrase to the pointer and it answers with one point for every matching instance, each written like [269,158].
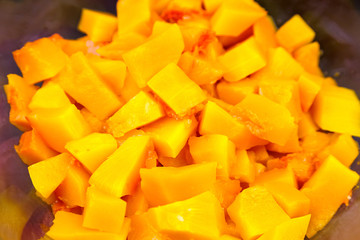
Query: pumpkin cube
[243,168]
[276,176]
[161,184]
[309,57]
[309,86]
[344,148]
[234,92]
[264,33]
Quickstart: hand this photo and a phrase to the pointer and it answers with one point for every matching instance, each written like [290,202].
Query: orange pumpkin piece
[243,167]
[32,148]
[142,228]
[264,33]
[99,26]
[103,212]
[59,125]
[156,53]
[265,119]
[170,135]
[50,95]
[119,174]
[307,126]
[198,217]
[215,120]
[225,190]
[234,92]
[137,112]
[276,176]
[40,60]
[136,203]
[68,226]
[95,123]
[294,228]
[161,184]
[48,174]
[294,33]
[130,88]
[309,57]
[233,17]
[344,148]
[93,149]
[72,190]
[19,94]
[255,212]
[309,86]
[327,189]
[81,82]
[242,60]
[291,145]
[176,89]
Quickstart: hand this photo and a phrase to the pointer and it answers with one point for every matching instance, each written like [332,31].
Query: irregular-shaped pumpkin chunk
[215,120]
[161,184]
[176,89]
[137,112]
[50,95]
[255,212]
[32,148]
[243,167]
[294,33]
[213,148]
[136,203]
[68,226]
[265,118]
[142,228]
[233,17]
[19,94]
[99,26]
[225,190]
[344,148]
[40,60]
[264,33]
[234,92]
[150,57]
[199,217]
[72,190]
[337,109]
[242,60]
[327,189]
[59,125]
[81,82]
[103,212]
[93,149]
[47,175]
[309,86]
[133,16]
[276,176]
[309,57]
[119,174]
[170,135]
[294,229]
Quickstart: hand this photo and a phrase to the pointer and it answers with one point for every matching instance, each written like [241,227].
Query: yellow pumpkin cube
[264,33]
[276,176]
[309,86]
[234,92]
[243,168]
[309,57]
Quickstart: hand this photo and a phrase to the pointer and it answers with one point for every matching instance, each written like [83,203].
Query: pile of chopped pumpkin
[184,119]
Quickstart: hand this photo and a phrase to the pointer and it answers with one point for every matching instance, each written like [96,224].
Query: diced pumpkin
[309,86]
[130,88]
[68,226]
[40,60]
[276,176]
[32,148]
[215,120]
[176,89]
[337,109]
[142,228]
[81,82]
[292,201]
[19,94]
[119,174]
[113,72]
[200,70]
[294,33]
[161,184]
[242,60]
[280,64]
[59,125]
[233,17]
[103,212]
[136,203]
[137,112]
[291,145]
[213,148]
[265,119]
[243,168]
[225,190]
[133,16]
[255,212]
[48,174]
[70,46]
[294,228]
[234,92]
[199,217]
[327,189]
[93,149]
[72,190]
[306,125]
[182,159]
[316,141]
[99,26]
[170,135]
[264,33]
[49,96]
[344,148]
[259,154]
[150,57]
[309,57]
[95,123]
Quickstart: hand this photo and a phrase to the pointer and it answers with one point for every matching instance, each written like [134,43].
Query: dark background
[336,22]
